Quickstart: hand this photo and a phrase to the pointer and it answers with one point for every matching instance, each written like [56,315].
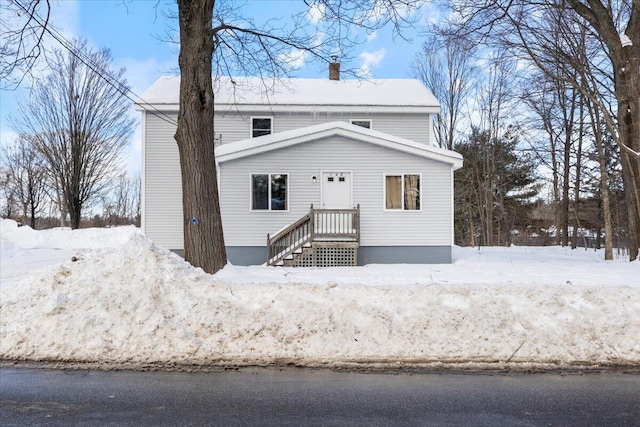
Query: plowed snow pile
[135,303]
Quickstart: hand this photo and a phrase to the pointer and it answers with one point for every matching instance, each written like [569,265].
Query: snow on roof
[252,146]
[296,91]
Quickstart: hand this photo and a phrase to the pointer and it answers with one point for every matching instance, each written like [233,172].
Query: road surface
[298,397]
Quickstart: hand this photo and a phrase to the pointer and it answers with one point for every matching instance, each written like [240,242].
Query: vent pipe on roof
[334,68]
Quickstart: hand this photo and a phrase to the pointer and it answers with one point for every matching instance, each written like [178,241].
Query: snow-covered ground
[110,296]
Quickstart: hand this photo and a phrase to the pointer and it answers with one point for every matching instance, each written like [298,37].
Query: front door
[336,190]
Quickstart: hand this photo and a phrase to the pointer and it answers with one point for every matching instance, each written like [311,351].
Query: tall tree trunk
[606,204]
[625,58]
[627,88]
[32,203]
[472,230]
[564,210]
[556,190]
[75,211]
[203,238]
[488,195]
[576,195]
[604,184]
[568,103]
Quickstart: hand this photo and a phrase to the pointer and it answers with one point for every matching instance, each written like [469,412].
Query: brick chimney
[334,69]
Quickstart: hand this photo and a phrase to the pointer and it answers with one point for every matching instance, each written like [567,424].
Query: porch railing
[336,224]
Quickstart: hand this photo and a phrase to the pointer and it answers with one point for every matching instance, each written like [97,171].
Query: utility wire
[107,78]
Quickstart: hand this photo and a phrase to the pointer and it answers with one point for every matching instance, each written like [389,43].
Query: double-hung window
[261,126]
[402,192]
[270,192]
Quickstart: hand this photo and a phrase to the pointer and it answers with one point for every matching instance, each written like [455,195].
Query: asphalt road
[297,397]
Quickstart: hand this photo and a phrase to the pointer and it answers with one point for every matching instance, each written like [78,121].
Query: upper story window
[261,126]
[269,192]
[402,192]
[365,123]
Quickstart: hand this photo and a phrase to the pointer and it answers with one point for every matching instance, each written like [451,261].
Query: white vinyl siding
[429,227]
[233,126]
[162,203]
[162,183]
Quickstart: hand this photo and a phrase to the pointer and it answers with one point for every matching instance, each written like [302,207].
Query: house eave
[288,108]
[255,146]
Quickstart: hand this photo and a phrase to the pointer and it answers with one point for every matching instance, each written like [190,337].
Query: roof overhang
[253,146]
[286,94]
[288,108]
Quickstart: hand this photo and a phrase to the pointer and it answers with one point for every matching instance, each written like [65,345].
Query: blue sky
[132,30]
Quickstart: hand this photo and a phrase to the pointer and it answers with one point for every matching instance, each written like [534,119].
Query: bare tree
[9,207]
[26,174]
[445,65]
[570,119]
[22,33]
[495,101]
[80,123]
[523,26]
[598,135]
[542,97]
[121,204]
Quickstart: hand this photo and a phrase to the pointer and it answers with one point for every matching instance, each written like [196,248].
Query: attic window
[365,123]
[261,126]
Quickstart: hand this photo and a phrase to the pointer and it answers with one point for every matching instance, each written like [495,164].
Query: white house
[333,171]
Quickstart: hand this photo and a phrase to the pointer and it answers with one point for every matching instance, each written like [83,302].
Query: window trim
[260,117]
[362,120]
[384,192]
[269,174]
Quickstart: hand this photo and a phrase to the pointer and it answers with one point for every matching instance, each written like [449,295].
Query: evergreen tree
[494,190]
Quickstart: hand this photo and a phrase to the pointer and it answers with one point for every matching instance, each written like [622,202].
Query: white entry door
[336,190]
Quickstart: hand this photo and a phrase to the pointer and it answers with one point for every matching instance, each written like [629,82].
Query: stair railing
[318,224]
[289,239]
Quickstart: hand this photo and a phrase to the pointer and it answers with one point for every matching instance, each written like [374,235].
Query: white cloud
[294,59]
[372,36]
[430,14]
[369,60]
[316,12]
[7,137]
[65,17]
[142,72]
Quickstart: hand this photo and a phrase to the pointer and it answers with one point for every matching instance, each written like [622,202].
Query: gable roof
[254,92]
[275,141]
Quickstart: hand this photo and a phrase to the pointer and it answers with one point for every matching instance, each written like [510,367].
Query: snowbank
[136,304]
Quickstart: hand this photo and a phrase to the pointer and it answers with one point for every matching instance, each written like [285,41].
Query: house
[311,171]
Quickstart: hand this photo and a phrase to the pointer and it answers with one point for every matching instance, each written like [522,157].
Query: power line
[123,90]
